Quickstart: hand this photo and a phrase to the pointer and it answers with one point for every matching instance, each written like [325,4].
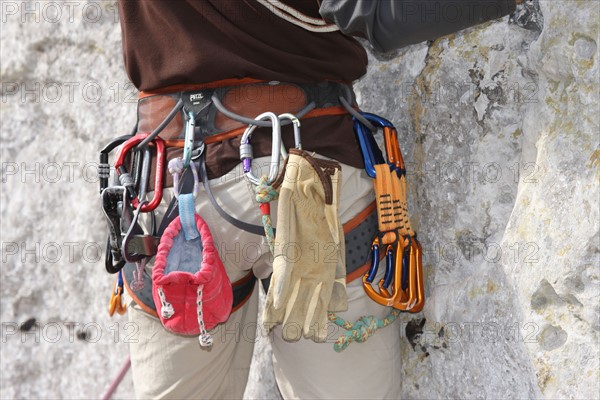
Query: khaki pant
[170,366]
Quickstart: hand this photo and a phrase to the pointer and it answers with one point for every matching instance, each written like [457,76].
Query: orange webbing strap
[399,205]
[384,197]
[394,154]
[209,85]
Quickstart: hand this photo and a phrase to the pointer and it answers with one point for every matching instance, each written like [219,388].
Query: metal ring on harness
[247,156]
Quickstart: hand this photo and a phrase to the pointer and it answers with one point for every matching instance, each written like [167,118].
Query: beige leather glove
[309,273]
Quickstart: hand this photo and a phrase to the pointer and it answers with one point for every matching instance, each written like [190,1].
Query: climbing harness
[139,167]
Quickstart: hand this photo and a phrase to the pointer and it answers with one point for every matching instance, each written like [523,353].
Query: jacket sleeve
[391,24]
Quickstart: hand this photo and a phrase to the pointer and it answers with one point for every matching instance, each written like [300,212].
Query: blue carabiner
[119,284]
[371,153]
[406,264]
[389,267]
[377,120]
[374,263]
[370,150]
[188,145]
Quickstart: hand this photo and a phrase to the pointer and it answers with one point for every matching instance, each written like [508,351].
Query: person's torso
[172,42]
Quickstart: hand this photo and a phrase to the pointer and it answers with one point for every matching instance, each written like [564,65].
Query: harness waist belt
[246,100]
[318,105]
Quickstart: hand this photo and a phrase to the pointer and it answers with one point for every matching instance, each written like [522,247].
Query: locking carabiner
[125,178]
[246,154]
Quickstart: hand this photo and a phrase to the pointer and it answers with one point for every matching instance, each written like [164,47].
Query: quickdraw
[402,286]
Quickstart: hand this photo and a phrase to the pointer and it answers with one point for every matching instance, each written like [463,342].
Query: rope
[115,383]
[167,310]
[297,18]
[361,330]
[266,193]
[205,338]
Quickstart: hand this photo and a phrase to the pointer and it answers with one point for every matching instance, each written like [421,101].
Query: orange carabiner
[416,261]
[392,148]
[115,303]
[405,299]
[397,291]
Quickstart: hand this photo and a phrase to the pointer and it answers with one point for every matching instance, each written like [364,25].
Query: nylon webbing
[186,185]
[256,229]
[187,213]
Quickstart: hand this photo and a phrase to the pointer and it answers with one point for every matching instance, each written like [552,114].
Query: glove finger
[284,247]
[271,316]
[294,312]
[339,299]
[316,328]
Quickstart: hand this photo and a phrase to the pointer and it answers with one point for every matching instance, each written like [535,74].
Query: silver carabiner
[296,123]
[247,156]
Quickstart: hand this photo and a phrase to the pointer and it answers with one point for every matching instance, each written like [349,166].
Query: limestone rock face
[499,128]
